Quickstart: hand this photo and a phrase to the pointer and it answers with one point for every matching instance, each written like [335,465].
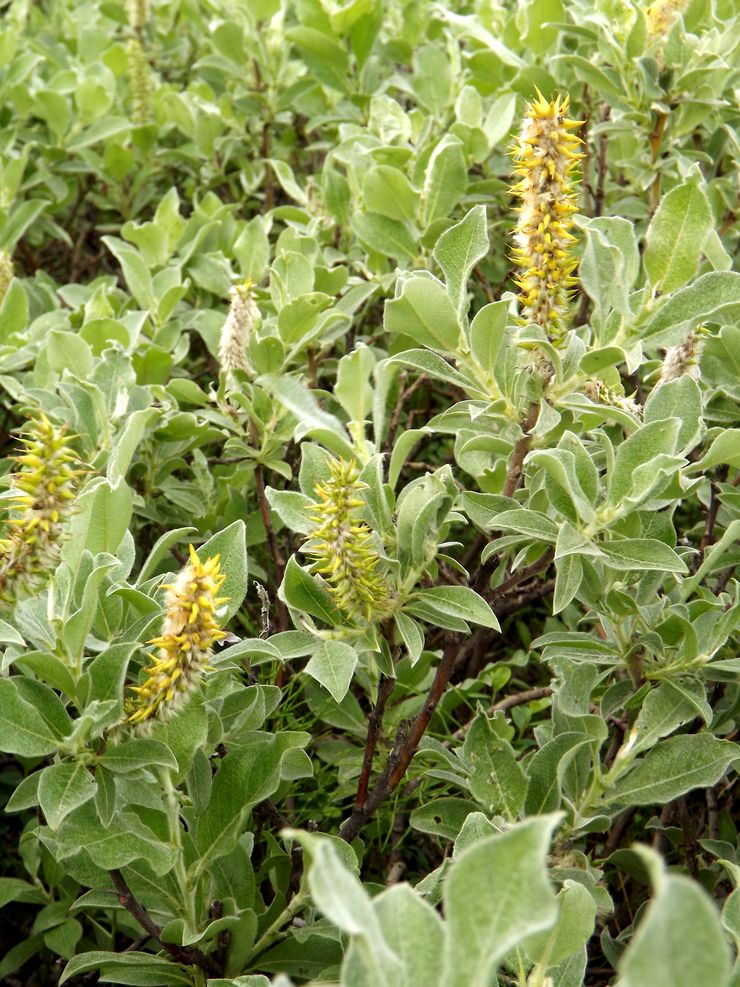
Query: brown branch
[187,955]
[601,167]
[407,741]
[409,734]
[656,141]
[508,702]
[536,592]
[374,721]
[504,590]
[520,451]
[484,283]
[403,397]
[259,483]
[707,537]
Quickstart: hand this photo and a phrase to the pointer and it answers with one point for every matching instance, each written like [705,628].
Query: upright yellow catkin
[138,14]
[42,492]
[343,545]
[138,68]
[185,646]
[546,157]
[243,314]
[6,273]
[661,15]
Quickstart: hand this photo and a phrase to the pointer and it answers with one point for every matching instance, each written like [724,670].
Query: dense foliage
[370,375]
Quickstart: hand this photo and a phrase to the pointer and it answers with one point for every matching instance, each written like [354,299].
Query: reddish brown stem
[374,721]
[405,746]
[181,954]
[520,451]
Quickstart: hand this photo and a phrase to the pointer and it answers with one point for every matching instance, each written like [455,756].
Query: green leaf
[634,471]
[101,518]
[571,932]
[231,545]
[303,592]
[154,971]
[672,768]
[429,363]
[127,442]
[568,578]
[445,179]
[679,941]
[332,665]
[663,711]
[458,250]
[23,729]
[138,753]
[414,933]
[497,780]
[679,398]
[642,553]
[385,236]
[676,236]
[344,901]
[22,216]
[412,636]
[496,895]
[713,297]
[353,389]
[487,333]
[460,602]
[135,271]
[424,311]
[546,771]
[62,788]
[724,449]
[539,526]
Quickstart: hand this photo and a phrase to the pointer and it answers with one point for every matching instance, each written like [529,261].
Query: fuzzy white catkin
[243,314]
[681,359]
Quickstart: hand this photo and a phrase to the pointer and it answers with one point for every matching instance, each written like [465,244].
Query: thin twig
[707,537]
[499,592]
[374,721]
[259,483]
[508,702]
[520,451]
[187,955]
[407,741]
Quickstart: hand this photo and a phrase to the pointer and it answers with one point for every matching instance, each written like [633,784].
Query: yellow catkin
[185,645]
[243,314]
[661,16]
[138,14]
[546,157]
[343,546]
[43,489]
[139,75]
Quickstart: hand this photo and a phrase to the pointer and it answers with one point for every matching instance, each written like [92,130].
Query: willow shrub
[418,324]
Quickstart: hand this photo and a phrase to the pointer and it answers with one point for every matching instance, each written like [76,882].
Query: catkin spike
[343,546]
[6,273]
[139,74]
[661,16]
[138,14]
[42,492]
[546,157]
[682,358]
[243,314]
[189,631]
